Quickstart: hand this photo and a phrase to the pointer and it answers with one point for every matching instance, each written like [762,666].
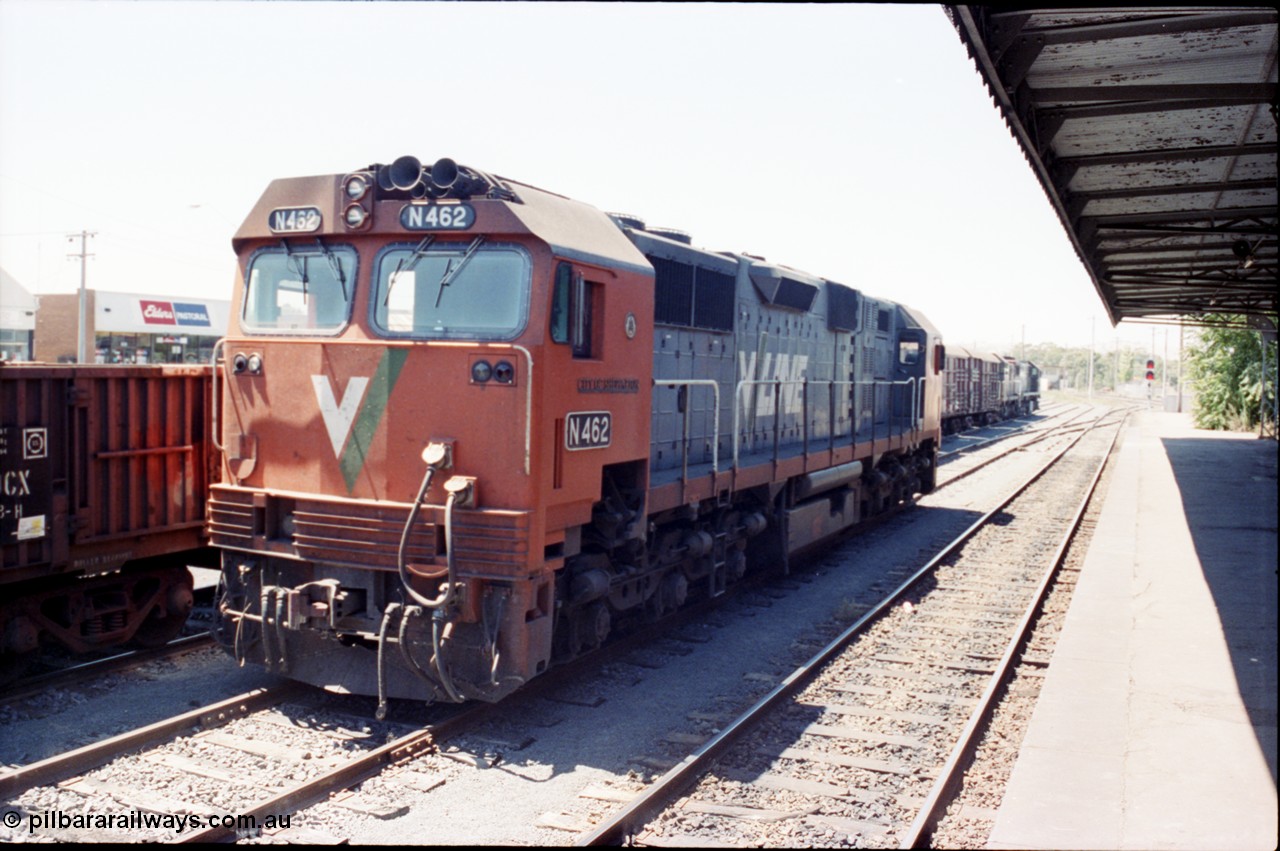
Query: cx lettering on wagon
[294,220]
[588,430]
[26,483]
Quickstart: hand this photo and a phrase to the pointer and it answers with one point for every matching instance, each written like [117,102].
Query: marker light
[239,363]
[356,187]
[481,371]
[255,363]
[504,372]
[355,216]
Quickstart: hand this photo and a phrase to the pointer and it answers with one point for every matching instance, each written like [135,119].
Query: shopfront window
[153,348]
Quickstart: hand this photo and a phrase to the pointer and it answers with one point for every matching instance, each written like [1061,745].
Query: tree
[1226,370]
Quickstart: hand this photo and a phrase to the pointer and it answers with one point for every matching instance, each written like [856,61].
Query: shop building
[131,328]
[17,319]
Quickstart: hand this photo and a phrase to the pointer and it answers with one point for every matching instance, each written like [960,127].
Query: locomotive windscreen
[293,291]
[450,293]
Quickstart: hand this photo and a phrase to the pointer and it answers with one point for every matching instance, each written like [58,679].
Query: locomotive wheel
[584,630]
[597,623]
[675,590]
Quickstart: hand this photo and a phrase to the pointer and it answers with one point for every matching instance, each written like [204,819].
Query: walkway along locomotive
[471,427]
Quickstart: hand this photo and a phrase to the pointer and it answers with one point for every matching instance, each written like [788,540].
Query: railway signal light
[1151,370]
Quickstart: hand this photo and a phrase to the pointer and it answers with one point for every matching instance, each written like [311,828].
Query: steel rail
[106,665]
[1052,431]
[429,738]
[987,441]
[62,766]
[952,773]
[348,774]
[616,829]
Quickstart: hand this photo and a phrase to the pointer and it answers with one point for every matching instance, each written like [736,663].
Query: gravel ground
[62,718]
[866,704]
[548,764]
[972,814]
[644,723]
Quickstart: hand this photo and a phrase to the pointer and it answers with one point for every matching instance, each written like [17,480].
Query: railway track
[958,445]
[84,671]
[962,462]
[279,782]
[222,771]
[863,743]
[247,763]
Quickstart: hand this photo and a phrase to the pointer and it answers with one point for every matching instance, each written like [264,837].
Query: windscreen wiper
[452,271]
[336,266]
[301,269]
[418,253]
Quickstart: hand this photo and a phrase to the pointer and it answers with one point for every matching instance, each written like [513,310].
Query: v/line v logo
[338,416]
[352,421]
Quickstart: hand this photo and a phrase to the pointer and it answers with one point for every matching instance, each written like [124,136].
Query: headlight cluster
[355,188]
[242,363]
[502,372]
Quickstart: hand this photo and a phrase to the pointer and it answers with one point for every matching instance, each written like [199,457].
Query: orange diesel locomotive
[470,428]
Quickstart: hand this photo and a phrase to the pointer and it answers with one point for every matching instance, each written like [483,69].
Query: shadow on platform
[1228,491]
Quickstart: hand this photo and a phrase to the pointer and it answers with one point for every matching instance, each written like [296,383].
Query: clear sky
[856,142]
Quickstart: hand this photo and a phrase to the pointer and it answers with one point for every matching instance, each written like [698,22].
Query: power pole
[1181,333]
[1091,346]
[80,329]
[1115,368]
[1164,367]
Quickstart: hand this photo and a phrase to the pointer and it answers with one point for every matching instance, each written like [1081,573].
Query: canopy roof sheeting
[1153,132]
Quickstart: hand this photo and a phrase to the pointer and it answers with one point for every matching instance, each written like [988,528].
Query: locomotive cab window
[575,303]
[585,304]
[560,302]
[292,290]
[908,352]
[456,290]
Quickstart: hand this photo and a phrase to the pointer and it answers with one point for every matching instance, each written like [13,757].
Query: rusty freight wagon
[104,477]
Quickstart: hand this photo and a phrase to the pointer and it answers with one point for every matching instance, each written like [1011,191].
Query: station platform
[1156,725]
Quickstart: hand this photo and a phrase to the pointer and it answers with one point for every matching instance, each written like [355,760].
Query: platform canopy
[1153,132]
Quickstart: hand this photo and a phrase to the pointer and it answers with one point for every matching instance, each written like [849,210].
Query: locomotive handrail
[915,401]
[528,385]
[213,404]
[778,383]
[831,408]
[715,443]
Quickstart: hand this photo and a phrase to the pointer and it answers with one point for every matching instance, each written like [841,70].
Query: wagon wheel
[165,621]
[159,629]
[19,646]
